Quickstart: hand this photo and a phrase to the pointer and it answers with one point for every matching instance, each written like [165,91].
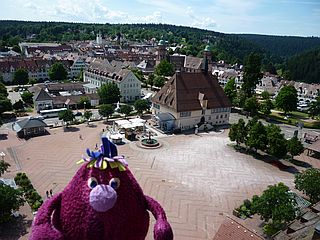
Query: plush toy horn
[109,149]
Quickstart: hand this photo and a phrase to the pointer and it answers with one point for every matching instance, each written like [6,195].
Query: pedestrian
[47,193]
[51,192]
[80,136]
[96,146]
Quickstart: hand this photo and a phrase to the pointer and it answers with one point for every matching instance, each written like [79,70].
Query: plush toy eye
[114,183]
[92,182]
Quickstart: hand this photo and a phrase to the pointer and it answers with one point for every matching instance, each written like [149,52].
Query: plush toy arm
[162,229]
[43,226]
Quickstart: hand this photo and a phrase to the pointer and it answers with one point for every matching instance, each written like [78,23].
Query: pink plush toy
[102,201]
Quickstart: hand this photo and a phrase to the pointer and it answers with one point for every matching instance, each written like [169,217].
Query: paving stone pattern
[197,179]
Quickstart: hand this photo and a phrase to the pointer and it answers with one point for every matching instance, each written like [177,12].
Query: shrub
[30,194]
[271,229]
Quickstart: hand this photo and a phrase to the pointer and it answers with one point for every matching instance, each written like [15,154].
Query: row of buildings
[38,68]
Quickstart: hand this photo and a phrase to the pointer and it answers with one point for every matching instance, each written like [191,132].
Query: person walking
[47,193]
[51,192]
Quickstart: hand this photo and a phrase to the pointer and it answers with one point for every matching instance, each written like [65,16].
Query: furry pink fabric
[95,210]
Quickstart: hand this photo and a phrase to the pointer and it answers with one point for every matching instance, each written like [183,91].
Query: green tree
[57,72]
[159,81]
[5,105]
[138,74]
[240,99]
[294,147]
[16,48]
[287,99]
[141,105]
[3,91]
[18,105]
[10,198]
[238,132]
[276,143]
[32,81]
[251,105]
[66,116]
[266,106]
[106,110]
[276,203]
[231,89]
[87,115]
[309,183]
[252,73]
[3,167]
[20,77]
[265,95]
[80,75]
[27,97]
[164,68]
[314,109]
[126,110]
[84,102]
[109,93]
[150,80]
[257,137]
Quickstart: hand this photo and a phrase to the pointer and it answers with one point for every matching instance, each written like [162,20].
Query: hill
[305,67]
[229,47]
[282,46]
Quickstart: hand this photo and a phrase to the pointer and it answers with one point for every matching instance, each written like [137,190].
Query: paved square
[197,179]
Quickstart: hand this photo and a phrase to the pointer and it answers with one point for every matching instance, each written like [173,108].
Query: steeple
[205,67]
[162,51]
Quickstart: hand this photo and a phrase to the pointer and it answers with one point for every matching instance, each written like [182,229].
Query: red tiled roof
[233,230]
[181,92]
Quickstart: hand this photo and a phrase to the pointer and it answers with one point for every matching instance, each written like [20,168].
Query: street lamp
[84,106]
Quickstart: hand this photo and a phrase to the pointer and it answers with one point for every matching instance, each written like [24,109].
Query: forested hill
[305,67]
[283,46]
[229,47]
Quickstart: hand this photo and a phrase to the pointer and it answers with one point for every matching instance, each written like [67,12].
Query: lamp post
[84,106]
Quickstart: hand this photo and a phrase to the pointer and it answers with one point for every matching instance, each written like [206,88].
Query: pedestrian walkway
[197,179]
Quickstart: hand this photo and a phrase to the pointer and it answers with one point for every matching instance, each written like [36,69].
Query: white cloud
[201,22]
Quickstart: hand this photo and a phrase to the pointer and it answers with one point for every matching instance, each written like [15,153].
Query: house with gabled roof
[189,99]
[42,100]
[29,127]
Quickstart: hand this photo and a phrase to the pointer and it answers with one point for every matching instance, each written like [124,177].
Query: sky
[272,17]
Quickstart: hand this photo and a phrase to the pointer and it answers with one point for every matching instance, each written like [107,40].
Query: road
[287,130]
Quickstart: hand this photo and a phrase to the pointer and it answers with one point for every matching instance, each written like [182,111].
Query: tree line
[232,48]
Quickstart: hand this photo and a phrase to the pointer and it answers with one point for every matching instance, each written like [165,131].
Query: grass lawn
[293,118]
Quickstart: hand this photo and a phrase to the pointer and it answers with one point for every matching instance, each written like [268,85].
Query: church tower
[162,51]
[99,38]
[207,60]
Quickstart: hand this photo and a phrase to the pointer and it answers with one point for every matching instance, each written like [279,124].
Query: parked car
[77,114]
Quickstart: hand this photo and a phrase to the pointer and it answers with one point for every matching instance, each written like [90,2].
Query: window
[217,117]
[221,116]
[185,114]
[226,115]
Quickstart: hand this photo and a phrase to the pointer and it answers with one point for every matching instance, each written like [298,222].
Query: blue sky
[276,17]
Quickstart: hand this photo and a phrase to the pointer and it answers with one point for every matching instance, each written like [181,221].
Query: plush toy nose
[102,198]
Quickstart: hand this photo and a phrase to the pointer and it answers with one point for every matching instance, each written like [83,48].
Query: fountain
[150,142]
